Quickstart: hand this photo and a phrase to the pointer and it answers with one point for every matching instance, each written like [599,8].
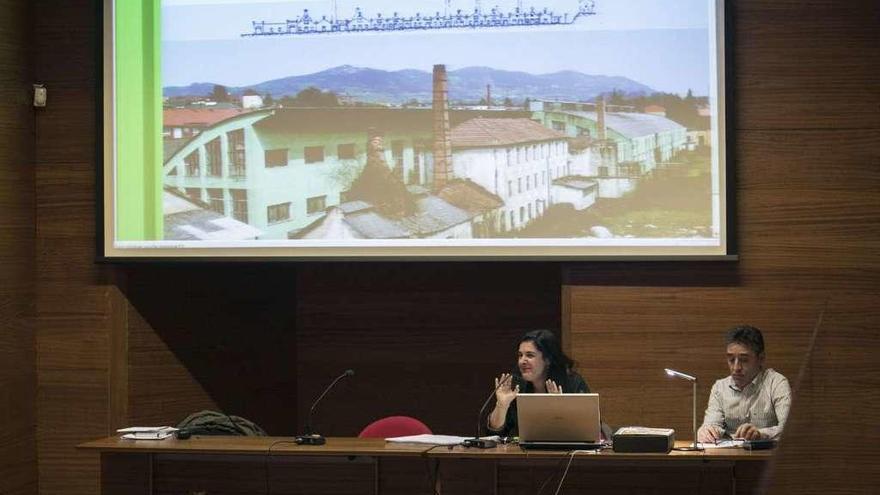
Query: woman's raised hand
[505,393]
[552,388]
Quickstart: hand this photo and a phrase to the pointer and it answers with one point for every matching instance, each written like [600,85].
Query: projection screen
[428,129]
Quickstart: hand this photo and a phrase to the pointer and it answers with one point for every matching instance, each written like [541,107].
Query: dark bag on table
[216,423]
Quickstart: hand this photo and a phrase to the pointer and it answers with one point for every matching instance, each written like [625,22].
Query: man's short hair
[748,336]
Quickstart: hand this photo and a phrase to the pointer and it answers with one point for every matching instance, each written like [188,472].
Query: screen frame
[104,187]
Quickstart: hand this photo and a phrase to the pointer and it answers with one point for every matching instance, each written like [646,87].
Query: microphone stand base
[313,439]
[479,443]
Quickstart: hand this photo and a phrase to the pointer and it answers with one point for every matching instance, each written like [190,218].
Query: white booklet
[435,439]
[147,432]
[644,430]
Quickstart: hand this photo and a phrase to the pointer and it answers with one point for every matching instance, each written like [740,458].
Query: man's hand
[747,431]
[708,434]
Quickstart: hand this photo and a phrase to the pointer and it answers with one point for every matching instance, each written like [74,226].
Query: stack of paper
[722,444]
[434,439]
[147,432]
[644,430]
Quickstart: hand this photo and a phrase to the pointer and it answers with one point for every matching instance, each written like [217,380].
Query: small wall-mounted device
[39,95]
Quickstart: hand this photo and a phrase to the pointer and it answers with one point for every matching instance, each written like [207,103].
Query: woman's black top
[574,384]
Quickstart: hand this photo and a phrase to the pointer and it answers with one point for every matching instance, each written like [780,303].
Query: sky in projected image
[661,44]
[530,124]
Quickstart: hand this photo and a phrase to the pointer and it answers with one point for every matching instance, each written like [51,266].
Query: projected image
[446,122]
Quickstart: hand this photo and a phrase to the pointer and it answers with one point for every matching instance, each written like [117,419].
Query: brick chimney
[488,95]
[442,144]
[600,119]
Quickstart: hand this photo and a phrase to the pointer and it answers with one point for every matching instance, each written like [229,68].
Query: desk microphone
[477,441]
[310,437]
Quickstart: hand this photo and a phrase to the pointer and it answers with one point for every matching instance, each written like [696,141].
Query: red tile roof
[469,196]
[196,117]
[481,132]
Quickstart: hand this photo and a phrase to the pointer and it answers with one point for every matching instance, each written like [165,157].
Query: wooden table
[276,465]
[280,446]
[238,465]
[509,469]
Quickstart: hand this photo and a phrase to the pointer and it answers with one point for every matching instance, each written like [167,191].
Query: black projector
[641,440]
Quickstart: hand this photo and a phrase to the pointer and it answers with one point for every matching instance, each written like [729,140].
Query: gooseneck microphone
[477,441]
[310,437]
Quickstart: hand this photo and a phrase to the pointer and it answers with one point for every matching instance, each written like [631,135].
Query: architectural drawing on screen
[451,18]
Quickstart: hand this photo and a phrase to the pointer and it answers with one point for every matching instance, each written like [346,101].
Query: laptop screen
[558,417]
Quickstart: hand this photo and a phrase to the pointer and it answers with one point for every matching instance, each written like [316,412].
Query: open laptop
[558,421]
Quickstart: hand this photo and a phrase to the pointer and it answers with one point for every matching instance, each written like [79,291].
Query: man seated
[753,402]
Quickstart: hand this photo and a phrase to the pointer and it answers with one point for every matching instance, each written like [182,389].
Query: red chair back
[394,426]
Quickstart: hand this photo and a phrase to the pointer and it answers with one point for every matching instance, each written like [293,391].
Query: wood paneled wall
[120,345]
[74,296]
[209,337]
[425,340]
[18,449]
[808,198]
